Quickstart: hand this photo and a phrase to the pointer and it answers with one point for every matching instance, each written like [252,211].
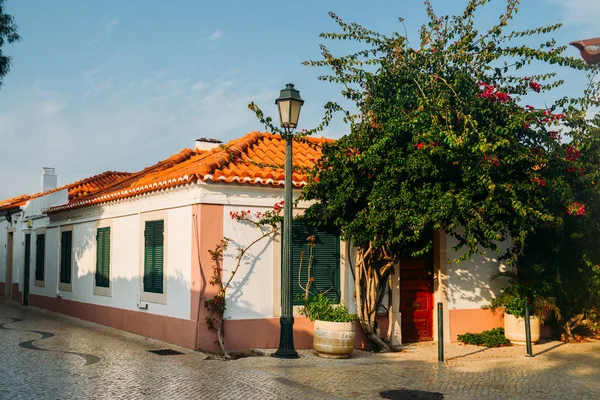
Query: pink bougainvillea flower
[576,208]
[536,87]
[572,153]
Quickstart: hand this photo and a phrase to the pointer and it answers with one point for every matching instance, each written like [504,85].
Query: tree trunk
[221,339]
[572,324]
[370,278]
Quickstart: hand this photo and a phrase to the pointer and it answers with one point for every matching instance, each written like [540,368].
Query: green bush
[492,338]
[533,290]
[320,307]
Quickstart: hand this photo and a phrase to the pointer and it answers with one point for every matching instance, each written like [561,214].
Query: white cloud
[110,26]
[198,86]
[580,12]
[216,35]
[118,124]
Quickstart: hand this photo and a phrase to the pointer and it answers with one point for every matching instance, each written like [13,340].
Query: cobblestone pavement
[84,360]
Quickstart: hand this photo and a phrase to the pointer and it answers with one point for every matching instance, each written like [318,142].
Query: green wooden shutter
[40,256]
[325,265]
[154,256]
[66,247]
[103,257]
[27,252]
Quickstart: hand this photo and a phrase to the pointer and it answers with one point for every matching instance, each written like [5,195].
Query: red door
[416,300]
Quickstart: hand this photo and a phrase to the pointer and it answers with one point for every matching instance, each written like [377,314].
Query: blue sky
[118,85]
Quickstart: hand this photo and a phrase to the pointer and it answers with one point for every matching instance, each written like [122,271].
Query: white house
[134,254]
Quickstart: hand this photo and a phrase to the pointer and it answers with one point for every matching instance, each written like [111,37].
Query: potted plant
[512,301]
[334,327]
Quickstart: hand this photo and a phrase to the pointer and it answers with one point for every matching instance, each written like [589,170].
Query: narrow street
[50,356]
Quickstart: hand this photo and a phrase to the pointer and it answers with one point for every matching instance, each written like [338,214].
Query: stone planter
[514,329]
[333,339]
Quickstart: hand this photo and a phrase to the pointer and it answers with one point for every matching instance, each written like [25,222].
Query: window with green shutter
[325,263]
[103,257]
[154,256]
[66,248]
[40,256]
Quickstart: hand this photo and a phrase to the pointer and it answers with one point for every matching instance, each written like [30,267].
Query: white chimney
[49,179]
[207,144]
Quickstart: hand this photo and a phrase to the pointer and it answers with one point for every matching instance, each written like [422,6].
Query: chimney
[206,144]
[49,179]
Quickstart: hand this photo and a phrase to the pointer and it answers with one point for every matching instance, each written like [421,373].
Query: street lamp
[289,104]
[590,50]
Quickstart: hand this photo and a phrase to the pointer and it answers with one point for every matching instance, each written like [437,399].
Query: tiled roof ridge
[20,199]
[168,162]
[77,183]
[233,162]
[222,155]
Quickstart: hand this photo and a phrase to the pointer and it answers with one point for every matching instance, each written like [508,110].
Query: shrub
[320,307]
[492,338]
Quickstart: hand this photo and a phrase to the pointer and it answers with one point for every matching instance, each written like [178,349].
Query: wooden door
[416,300]
[9,265]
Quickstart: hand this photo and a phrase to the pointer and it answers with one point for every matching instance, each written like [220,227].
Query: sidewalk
[50,356]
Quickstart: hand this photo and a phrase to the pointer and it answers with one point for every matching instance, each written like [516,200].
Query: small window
[66,250]
[103,257]
[40,257]
[154,256]
[325,262]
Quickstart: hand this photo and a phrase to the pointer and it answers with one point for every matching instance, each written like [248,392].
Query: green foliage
[492,338]
[8,34]
[528,286]
[441,139]
[570,257]
[319,307]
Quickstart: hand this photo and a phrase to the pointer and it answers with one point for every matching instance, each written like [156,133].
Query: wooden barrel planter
[333,339]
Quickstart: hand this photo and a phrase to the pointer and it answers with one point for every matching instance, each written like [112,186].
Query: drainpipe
[140,268]
[195,237]
[58,295]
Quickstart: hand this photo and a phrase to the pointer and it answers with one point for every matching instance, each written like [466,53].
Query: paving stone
[127,370]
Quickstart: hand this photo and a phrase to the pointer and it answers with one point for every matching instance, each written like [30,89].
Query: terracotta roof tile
[76,190]
[255,159]
[589,49]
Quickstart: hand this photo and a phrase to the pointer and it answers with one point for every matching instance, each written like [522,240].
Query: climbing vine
[268,223]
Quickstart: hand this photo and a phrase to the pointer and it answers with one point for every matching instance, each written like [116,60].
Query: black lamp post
[289,104]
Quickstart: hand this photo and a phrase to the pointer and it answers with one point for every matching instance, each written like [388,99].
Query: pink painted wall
[474,321]
[172,330]
[207,233]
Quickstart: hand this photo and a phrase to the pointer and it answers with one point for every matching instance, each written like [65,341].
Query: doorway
[9,265]
[27,271]
[416,300]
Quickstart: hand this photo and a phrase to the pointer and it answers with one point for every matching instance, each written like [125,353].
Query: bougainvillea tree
[441,139]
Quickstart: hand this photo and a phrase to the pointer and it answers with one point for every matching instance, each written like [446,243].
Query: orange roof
[76,190]
[256,158]
[16,201]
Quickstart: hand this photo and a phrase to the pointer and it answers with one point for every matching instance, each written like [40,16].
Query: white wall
[251,292]
[126,266]
[252,295]
[37,206]
[3,232]
[18,249]
[470,284]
